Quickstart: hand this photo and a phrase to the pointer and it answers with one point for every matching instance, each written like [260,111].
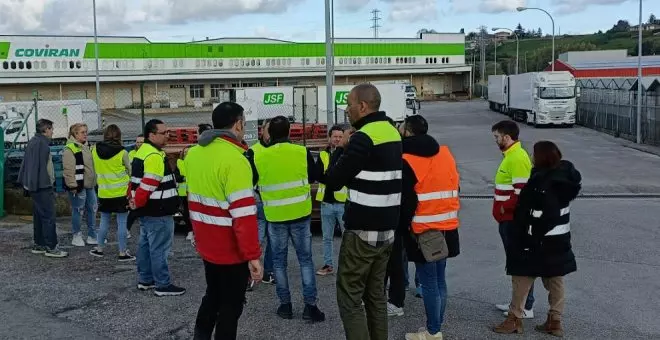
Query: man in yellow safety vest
[332,202]
[284,171]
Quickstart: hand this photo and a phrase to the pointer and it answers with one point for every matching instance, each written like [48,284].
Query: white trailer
[497,93]
[542,98]
[308,102]
[21,117]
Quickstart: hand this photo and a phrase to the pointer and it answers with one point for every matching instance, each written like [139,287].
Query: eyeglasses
[164,133]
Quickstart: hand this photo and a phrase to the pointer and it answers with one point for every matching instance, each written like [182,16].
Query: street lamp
[517,42]
[329,59]
[520,9]
[96,60]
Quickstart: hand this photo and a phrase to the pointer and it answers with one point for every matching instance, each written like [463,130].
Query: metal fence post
[142,104]
[304,118]
[2,173]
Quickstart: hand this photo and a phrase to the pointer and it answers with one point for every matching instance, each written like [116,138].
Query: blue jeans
[301,236]
[153,248]
[434,292]
[264,238]
[505,229]
[331,213]
[43,218]
[122,231]
[84,201]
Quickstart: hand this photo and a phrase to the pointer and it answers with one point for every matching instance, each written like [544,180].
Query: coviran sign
[46,52]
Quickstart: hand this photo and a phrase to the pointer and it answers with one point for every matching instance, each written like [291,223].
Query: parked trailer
[307,103]
[497,92]
[19,123]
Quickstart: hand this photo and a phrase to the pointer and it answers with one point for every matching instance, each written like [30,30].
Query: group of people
[393,191]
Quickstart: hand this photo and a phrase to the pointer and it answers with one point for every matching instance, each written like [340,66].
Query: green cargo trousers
[361,277]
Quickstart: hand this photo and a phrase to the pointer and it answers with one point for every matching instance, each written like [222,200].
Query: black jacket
[328,196]
[362,155]
[423,146]
[544,204]
[107,150]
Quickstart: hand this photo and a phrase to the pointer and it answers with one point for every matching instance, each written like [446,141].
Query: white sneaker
[527,314]
[190,236]
[423,335]
[128,235]
[91,241]
[77,240]
[393,310]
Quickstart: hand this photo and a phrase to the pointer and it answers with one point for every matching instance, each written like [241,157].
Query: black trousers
[396,273]
[222,305]
[186,214]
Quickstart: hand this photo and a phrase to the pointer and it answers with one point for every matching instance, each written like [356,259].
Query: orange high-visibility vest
[437,191]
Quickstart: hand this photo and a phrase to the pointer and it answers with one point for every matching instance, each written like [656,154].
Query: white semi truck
[19,118]
[496,93]
[298,101]
[540,98]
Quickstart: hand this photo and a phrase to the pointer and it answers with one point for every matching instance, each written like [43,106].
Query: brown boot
[551,326]
[511,325]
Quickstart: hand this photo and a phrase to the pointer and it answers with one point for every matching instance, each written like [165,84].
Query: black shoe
[313,314]
[170,290]
[36,249]
[269,278]
[250,286]
[96,252]
[146,286]
[285,311]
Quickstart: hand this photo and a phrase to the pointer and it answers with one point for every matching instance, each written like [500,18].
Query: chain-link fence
[611,106]
[181,107]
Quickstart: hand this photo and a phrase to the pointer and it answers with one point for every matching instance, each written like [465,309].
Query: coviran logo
[47,52]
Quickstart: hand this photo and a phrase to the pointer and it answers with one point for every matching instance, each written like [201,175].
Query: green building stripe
[4,50]
[294,50]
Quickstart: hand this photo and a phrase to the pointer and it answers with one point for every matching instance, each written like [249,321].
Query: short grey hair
[43,125]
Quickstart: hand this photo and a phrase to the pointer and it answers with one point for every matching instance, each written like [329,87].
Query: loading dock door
[123,98]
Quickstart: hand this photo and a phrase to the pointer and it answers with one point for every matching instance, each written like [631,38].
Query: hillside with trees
[536,48]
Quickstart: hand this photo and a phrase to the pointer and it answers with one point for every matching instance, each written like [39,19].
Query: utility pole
[375,19]
[482,55]
[329,60]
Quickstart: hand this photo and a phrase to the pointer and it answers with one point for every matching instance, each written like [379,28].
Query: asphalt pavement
[613,295]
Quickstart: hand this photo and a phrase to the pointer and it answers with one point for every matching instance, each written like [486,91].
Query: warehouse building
[200,73]
[605,64]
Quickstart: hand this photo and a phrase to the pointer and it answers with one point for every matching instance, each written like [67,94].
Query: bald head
[363,100]
[369,94]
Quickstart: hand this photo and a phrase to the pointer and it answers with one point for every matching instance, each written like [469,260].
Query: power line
[375,19]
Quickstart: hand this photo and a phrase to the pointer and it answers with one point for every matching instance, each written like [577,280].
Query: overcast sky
[303,20]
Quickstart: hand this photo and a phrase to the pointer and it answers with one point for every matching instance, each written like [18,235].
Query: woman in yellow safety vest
[112,170]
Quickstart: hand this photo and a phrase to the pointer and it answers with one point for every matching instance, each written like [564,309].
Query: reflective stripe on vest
[80,164]
[340,195]
[437,191]
[284,187]
[380,132]
[210,196]
[111,175]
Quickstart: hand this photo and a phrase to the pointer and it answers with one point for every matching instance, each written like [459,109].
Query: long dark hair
[546,155]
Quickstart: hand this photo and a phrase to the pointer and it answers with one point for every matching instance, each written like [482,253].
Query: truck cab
[554,100]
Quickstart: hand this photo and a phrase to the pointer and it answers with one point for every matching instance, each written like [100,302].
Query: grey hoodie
[36,171]
[209,135]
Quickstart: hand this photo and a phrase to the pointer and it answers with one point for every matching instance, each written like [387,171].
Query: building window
[20,65]
[258,62]
[322,61]
[28,65]
[268,62]
[288,62]
[215,90]
[36,65]
[220,63]
[5,65]
[196,91]
[279,62]
[13,65]
[447,60]
[253,62]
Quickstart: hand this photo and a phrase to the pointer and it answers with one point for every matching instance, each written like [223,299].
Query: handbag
[433,245]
